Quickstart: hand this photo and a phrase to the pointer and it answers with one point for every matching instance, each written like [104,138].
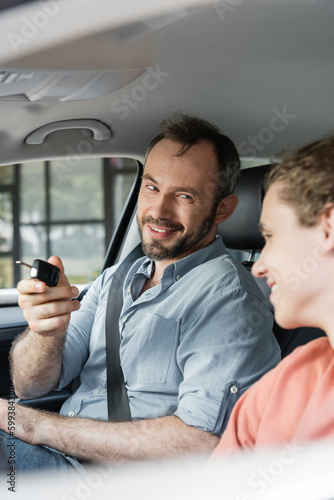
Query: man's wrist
[47,428]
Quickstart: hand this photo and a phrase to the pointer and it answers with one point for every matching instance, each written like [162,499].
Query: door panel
[12,324]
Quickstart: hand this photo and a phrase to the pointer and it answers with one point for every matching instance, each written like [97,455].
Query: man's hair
[189,130]
[307,177]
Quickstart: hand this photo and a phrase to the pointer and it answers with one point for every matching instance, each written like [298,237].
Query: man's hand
[24,420]
[36,356]
[48,309]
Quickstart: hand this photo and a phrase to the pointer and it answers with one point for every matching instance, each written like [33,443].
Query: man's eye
[151,188]
[185,196]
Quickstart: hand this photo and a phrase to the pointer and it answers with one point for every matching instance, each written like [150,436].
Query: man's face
[176,205]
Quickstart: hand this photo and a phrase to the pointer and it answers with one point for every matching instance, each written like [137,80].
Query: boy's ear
[226,208]
[327,224]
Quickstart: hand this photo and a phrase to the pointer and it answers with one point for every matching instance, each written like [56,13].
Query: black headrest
[240,231]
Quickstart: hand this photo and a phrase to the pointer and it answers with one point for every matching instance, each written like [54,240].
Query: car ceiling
[261,70]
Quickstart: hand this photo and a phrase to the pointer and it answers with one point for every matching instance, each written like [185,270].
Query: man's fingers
[47,317]
[62,291]
[48,309]
[42,293]
[29,286]
[50,326]
[52,309]
[37,308]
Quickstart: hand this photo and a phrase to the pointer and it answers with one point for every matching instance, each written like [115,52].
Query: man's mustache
[173,226]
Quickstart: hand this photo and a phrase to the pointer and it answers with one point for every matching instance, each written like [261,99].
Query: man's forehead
[180,148]
[200,156]
[165,144]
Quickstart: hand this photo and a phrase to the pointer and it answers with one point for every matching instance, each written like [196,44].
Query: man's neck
[156,275]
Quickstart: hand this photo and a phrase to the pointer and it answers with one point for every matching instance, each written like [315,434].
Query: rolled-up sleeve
[226,346]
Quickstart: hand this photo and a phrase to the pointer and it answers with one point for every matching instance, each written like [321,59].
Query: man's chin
[157,252]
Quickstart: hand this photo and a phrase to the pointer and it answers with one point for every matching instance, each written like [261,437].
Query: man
[295,401]
[188,349]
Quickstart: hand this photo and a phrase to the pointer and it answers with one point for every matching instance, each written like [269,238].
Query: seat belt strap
[118,403]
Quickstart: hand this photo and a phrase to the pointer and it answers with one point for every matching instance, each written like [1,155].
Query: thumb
[56,261]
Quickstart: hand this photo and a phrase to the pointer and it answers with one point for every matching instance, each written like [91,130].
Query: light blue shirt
[190,346]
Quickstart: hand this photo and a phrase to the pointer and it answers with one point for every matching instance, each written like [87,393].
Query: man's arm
[109,442]
[37,354]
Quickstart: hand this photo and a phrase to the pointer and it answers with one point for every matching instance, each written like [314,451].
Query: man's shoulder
[227,270]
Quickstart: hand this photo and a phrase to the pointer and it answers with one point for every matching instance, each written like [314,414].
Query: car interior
[240,233]
[83,81]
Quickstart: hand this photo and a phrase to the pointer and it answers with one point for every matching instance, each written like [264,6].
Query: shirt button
[178,277]
[129,288]
[96,391]
[234,389]
[71,414]
[124,319]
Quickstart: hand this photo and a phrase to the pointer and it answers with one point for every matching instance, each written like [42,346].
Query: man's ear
[327,226]
[226,208]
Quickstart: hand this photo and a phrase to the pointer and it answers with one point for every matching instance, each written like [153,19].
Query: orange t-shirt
[294,401]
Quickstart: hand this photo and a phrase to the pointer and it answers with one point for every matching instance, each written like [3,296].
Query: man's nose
[162,208]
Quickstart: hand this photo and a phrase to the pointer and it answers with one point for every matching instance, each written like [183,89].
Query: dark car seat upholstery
[241,233]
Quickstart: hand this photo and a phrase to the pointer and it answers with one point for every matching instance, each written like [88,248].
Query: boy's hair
[307,177]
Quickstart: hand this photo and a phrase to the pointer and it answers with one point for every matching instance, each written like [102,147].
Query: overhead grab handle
[99,130]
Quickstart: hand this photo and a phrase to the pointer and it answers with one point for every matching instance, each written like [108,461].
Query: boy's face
[292,261]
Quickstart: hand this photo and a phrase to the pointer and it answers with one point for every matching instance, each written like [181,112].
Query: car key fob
[43,271]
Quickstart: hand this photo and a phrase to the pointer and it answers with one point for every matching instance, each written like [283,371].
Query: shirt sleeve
[77,346]
[223,350]
[275,409]
[246,417]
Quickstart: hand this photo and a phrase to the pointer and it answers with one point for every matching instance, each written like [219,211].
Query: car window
[64,208]
[254,162]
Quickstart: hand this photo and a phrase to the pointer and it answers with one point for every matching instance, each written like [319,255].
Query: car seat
[241,235]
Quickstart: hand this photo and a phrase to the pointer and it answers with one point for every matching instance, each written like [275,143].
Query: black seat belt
[118,403]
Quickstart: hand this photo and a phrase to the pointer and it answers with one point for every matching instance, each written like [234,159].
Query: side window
[6,225]
[56,208]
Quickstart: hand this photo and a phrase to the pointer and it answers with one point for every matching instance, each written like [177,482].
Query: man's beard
[156,250]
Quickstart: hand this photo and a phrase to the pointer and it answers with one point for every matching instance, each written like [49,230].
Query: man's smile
[160,232]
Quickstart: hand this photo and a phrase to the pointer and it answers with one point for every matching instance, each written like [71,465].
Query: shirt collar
[183,266]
